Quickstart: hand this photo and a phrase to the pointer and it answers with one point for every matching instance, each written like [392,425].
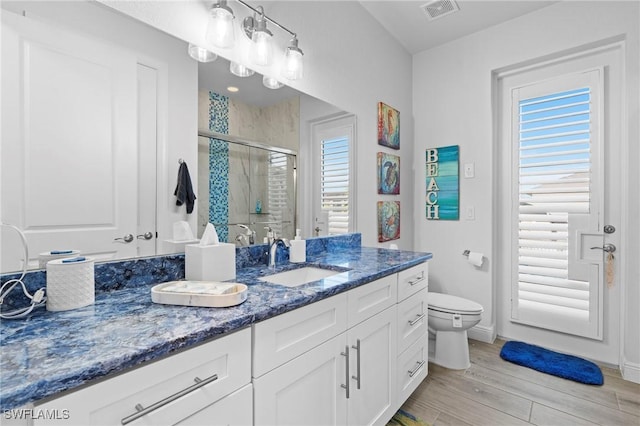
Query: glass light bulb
[271,83]
[240,70]
[220,28]
[201,54]
[293,66]
[261,47]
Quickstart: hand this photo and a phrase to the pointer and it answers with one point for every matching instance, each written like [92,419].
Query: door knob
[127,238]
[609,248]
[147,236]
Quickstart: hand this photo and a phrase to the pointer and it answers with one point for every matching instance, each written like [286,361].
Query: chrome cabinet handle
[141,411]
[609,248]
[415,370]
[127,238]
[416,320]
[346,354]
[417,280]
[147,236]
[357,376]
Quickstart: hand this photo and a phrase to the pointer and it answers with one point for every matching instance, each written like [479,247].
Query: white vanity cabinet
[348,377]
[179,389]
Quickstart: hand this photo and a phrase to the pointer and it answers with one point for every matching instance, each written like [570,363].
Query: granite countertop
[57,351]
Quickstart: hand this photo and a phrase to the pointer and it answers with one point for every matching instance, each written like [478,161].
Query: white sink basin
[299,276]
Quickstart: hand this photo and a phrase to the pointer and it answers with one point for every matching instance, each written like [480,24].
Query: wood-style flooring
[496,392]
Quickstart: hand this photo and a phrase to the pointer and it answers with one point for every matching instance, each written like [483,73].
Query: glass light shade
[220,27]
[261,48]
[201,54]
[293,66]
[271,83]
[240,70]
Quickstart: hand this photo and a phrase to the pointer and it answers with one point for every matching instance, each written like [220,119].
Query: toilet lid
[454,304]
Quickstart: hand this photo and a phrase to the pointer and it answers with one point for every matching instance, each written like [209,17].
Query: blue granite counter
[56,351]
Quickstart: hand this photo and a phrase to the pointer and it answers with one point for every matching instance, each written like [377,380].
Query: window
[334,195]
[556,136]
[277,189]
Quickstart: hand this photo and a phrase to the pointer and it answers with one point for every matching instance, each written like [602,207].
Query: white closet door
[69,157]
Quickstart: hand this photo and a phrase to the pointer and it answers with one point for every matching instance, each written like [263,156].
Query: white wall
[350,62]
[453,106]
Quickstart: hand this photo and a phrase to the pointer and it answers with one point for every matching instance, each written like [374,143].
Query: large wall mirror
[92,97]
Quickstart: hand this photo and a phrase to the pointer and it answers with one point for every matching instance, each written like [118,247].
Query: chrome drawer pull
[415,370]
[346,354]
[141,411]
[417,320]
[357,376]
[420,278]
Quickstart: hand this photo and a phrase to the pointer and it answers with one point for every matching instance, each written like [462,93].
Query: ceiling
[404,20]
[408,23]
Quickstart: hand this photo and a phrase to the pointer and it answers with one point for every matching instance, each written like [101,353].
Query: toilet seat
[449,304]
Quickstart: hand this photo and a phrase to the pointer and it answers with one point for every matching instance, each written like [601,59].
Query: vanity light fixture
[271,83]
[293,66]
[256,29]
[201,54]
[232,89]
[240,70]
[220,33]
[220,30]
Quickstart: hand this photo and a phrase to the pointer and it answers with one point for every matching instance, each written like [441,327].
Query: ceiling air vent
[439,8]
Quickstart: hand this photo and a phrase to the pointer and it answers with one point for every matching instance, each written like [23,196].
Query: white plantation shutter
[277,187]
[334,183]
[555,163]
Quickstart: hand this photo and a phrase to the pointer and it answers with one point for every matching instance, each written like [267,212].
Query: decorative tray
[212,294]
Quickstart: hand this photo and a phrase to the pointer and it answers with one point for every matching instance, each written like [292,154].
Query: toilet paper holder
[466,253]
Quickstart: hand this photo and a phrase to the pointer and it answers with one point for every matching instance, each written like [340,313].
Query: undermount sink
[299,276]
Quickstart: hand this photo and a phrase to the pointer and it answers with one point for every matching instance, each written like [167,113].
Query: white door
[373,369]
[560,174]
[69,155]
[307,390]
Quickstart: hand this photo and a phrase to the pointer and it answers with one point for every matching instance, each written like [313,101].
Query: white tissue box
[210,263]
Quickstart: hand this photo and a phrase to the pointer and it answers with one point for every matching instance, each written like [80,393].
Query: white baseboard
[482,333]
[630,371]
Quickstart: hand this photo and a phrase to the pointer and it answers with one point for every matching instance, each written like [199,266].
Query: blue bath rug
[550,362]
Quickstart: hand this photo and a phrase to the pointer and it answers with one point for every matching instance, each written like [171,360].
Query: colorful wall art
[388,126]
[388,220]
[388,173]
[443,187]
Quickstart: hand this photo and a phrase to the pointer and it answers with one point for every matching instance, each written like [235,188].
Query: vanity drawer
[224,363]
[412,319]
[369,299]
[412,367]
[284,337]
[412,280]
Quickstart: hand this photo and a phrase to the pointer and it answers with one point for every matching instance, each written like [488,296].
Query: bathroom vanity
[348,349]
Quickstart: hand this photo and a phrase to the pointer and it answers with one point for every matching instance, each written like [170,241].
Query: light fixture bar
[282,27]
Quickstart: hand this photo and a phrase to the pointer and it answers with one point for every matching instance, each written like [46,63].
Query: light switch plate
[469,170]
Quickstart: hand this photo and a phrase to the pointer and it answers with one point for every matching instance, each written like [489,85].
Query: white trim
[482,333]
[630,371]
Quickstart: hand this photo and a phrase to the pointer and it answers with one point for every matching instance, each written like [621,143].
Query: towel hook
[180,161]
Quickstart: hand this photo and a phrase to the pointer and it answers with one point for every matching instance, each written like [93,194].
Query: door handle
[357,376]
[609,248]
[346,354]
[147,236]
[127,238]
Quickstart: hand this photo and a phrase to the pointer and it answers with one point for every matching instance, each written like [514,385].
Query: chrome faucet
[273,249]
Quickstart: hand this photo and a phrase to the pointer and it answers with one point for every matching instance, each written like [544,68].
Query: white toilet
[449,319]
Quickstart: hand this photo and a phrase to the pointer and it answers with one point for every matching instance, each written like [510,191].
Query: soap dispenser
[298,249]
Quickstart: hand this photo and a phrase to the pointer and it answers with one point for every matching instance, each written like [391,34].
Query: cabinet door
[232,410]
[373,369]
[305,391]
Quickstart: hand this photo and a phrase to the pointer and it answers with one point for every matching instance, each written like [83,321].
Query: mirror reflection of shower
[246,189]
